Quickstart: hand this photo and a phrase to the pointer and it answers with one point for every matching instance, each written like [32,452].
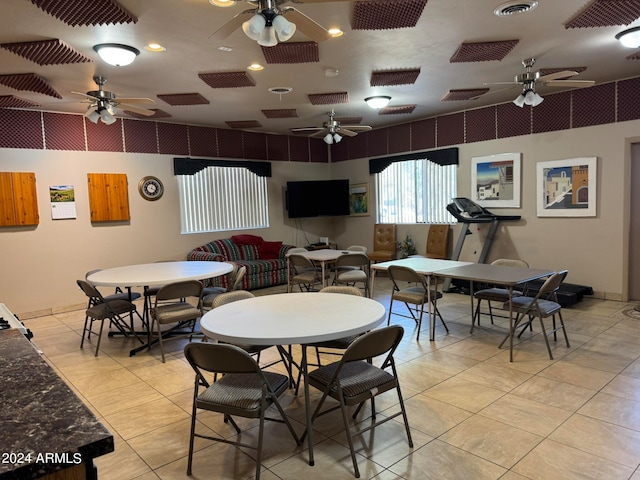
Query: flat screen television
[317,198]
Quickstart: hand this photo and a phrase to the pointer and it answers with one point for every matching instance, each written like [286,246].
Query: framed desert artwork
[359,199]
[567,188]
[495,180]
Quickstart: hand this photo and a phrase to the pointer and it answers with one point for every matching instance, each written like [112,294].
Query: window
[216,199]
[415,191]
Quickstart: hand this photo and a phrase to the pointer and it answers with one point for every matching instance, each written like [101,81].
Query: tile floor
[473,414]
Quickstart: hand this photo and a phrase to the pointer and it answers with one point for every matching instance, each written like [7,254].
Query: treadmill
[467,212]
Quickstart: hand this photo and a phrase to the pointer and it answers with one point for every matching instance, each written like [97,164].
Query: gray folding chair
[100,309]
[235,282]
[171,307]
[354,380]
[352,269]
[303,272]
[543,305]
[243,390]
[416,295]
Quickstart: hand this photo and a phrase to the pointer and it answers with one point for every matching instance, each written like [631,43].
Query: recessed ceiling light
[280,90]
[335,32]
[331,72]
[154,47]
[256,67]
[224,48]
[515,7]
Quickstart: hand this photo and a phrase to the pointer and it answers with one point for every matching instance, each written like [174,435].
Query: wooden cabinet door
[18,199]
[108,197]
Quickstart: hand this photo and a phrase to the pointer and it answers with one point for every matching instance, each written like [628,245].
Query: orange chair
[438,242]
[384,243]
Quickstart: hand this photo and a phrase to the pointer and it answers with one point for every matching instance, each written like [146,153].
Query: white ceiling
[184,28]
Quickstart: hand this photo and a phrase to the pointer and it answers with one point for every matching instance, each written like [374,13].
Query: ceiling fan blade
[320,133]
[91,97]
[348,133]
[500,83]
[513,85]
[138,110]
[556,76]
[134,100]
[306,129]
[231,26]
[306,25]
[570,83]
[357,128]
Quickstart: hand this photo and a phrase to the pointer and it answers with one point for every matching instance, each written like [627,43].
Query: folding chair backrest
[220,358]
[352,260]
[344,289]
[552,284]
[357,248]
[300,261]
[228,297]
[236,280]
[90,291]
[187,288]
[373,344]
[399,273]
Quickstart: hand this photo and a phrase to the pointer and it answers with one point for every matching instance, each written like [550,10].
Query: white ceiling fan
[103,103]
[529,80]
[332,131]
[266,19]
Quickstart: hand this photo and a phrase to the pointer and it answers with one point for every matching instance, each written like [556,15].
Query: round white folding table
[155,274]
[293,319]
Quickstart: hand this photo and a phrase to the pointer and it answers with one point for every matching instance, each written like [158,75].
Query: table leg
[510,323]
[471,296]
[432,323]
[288,275]
[307,405]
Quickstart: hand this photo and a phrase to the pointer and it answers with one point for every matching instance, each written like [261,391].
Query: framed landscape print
[567,188]
[359,199]
[495,180]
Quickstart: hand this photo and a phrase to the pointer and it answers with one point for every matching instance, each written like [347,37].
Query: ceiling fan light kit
[378,101]
[264,26]
[116,54]
[630,38]
[528,97]
[331,138]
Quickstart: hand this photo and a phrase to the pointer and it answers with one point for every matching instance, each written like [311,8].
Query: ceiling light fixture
[255,67]
[332,137]
[265,25]
[154,47]
[528,97]
[103,111]
[379,101]
[116,54]
[630,38]
[223,3]
[335,32]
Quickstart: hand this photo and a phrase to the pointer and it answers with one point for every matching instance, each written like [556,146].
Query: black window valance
[444,156]
[191,166]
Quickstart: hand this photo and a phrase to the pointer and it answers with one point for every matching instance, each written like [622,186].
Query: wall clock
[150,188]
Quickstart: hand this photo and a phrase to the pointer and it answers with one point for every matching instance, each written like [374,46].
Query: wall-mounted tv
[316,198]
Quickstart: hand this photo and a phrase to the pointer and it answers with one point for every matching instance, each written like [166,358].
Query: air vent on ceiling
[514,8]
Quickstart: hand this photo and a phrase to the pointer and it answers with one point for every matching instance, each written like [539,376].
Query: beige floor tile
[624,386]
[473,348]
[554,393]
[585,377]
[613,409]
[415,377]
[176,435]
[448,363]
[122,464]
[616,444]
[494,441]
[609,355]
[146,417]
[219,461]
[551,460]
[332,460]
[441,461]
[433,417]
[123,398]
[633,370]
[495,376]
[526,414]
[464,394]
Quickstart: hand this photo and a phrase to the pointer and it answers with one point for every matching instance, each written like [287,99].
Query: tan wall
[40,265]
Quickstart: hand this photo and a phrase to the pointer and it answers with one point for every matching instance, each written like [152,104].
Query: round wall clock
[150,188]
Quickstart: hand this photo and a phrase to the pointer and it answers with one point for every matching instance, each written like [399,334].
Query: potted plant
[407,247]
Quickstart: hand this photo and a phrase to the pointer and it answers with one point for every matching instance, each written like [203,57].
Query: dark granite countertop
[44,426]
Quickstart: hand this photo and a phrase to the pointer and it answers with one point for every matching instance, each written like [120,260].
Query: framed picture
[495,180]
[359,199]
[567,188]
